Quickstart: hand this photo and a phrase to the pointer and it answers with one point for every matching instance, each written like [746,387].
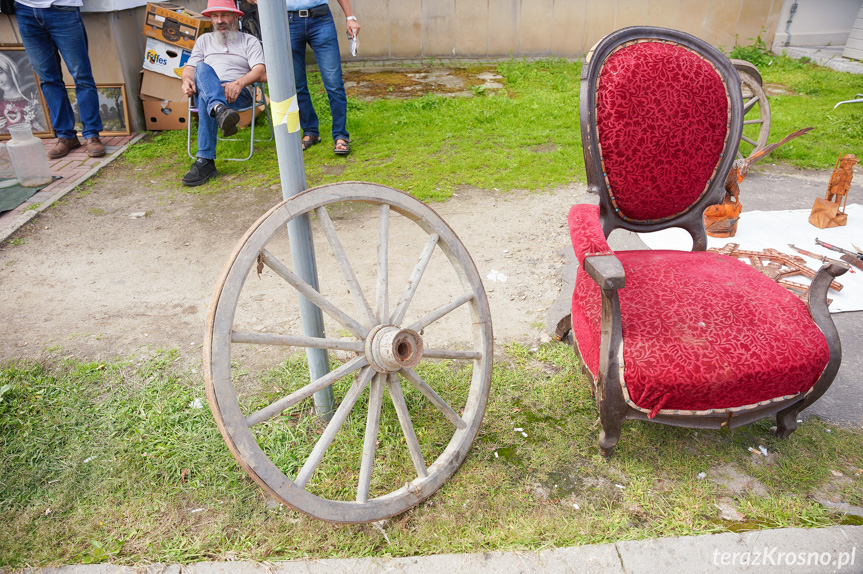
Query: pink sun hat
[221,6]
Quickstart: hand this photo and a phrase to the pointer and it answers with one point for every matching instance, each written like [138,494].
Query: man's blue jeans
[209,94]
[48,33]
[320,34]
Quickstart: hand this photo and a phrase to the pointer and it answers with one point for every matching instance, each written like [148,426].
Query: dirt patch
[732,482]
[86,279]
[778,90]
[372,84]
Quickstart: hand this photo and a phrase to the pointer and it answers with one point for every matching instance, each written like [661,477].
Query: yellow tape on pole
[286,112]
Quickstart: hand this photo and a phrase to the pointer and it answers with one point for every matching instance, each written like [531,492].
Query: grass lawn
[121,461]
[803,94]
[117,461]
[525,136]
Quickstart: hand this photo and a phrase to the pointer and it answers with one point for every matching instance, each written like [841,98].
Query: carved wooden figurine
[721,220]
[830,211]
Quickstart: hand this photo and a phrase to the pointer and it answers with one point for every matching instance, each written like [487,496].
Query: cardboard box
[165,115]
[174,24]
[164,58]
[159,87]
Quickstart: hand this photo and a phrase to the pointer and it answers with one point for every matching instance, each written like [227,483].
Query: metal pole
[275,34]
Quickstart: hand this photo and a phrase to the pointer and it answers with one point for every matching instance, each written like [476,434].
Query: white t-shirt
[231,61]
[48,3]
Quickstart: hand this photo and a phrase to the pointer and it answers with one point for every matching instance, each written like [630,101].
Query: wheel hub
[389,348]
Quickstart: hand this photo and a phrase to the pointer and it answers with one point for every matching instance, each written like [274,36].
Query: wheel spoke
[435,398]
[450,354]
[295,341]
[441,311]
[373,420]
[749,141]
[287,402]
[398,398]
[333,427]
[413,282]
[751,122]
[383,302]
[347,272]
[313,295]
[749,105]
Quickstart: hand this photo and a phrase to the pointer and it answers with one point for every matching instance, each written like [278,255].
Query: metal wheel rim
[223,398]
[754,98]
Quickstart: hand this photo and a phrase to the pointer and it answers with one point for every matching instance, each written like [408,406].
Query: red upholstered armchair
[692,339]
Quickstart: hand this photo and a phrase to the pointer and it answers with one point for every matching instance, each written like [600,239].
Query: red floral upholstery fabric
[662,120]
[590,239]
[702,331]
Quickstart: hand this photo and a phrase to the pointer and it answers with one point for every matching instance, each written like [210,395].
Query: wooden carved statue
[721,220]
[830,211]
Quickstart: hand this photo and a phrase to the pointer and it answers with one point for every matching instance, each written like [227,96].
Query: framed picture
[112,109]
[21,98]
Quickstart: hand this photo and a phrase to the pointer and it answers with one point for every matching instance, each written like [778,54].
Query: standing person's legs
[66,27]
[323,39]
[308,117]
[45,60]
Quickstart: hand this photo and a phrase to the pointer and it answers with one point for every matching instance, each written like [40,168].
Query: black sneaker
[227,119]
[201,171]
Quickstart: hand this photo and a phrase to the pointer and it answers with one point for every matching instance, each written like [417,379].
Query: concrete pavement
[816,551]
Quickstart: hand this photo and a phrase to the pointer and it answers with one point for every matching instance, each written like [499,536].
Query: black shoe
[201,171]
[227,119]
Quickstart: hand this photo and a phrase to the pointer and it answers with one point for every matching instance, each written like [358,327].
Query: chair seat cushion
[701,332]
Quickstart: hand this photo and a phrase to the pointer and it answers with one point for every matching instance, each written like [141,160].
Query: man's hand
[232,90]
[353,28]
[188,78]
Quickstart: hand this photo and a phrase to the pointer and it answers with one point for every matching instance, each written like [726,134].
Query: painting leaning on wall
[20,97]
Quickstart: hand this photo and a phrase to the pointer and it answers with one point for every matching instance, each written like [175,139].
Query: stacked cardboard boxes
[171,32]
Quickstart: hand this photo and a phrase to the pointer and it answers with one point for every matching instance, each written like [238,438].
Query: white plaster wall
[816,23]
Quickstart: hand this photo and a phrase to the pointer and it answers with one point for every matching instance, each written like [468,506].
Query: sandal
[309,141]
[342,146]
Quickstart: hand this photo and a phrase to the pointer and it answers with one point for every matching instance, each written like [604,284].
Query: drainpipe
[788,24]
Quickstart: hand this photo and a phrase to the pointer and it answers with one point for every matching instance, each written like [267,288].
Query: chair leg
[612,413]
[189,130]
[786,421]
[609,436]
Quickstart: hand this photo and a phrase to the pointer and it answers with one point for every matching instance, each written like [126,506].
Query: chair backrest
[661,118]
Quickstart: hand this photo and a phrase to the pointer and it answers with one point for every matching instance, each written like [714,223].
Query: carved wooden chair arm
[817,303]
[817,299]
[606,270]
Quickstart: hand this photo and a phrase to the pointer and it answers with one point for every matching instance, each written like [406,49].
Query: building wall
[563,28]
[815,22]
[415,29]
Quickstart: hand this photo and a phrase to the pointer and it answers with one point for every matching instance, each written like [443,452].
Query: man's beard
[229,35]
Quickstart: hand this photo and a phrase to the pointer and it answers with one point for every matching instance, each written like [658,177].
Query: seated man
[223,63]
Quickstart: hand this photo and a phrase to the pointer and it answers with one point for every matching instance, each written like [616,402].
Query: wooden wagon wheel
[756,109]
[389,349]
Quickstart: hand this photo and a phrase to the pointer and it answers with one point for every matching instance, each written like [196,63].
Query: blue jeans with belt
[47,34]
[319,33]
[209,92]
